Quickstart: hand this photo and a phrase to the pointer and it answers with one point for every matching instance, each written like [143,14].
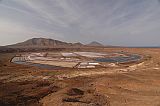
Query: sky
[110,22]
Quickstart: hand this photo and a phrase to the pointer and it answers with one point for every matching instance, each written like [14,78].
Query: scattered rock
[87,98]
[70,100]
[156,68]
[75,92]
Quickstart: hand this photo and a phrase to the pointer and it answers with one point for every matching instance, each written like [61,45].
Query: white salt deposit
[93,63]
[90,66]
[84,63]
[90,54]
[68,54]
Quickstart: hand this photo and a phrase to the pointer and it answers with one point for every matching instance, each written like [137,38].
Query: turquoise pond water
[120,59]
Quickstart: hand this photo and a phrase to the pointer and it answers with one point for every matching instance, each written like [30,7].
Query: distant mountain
[43,43]
[94,43]
[78,44]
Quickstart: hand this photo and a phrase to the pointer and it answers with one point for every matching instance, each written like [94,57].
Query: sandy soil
[131,84]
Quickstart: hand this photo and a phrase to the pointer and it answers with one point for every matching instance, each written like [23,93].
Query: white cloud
[108,21]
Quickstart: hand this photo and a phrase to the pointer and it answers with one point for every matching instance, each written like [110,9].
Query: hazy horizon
[110,22]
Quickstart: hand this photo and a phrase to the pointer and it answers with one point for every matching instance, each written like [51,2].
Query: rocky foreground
[132,84]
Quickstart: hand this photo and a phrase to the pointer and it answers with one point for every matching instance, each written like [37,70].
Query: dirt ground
[131,84]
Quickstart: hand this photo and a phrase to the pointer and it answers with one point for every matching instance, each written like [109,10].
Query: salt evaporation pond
[44,66]
[90,54]
[120,59]
[96,57]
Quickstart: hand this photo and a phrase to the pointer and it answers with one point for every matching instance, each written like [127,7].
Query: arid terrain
[79,53]
[128,84]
